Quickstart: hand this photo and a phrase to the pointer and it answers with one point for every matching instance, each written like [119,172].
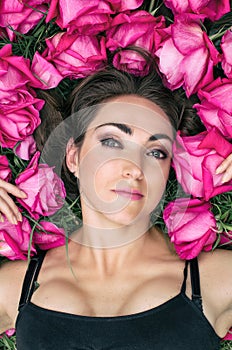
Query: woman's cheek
[156,176]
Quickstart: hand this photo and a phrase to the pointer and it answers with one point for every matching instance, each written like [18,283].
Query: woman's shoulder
[216,287]
[216,273]
[217,262]
[11,280]
[218,256]
[12,272]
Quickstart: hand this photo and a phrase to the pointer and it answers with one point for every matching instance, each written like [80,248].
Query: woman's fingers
[9,208]
[12,189]
[7,205]
[226,168]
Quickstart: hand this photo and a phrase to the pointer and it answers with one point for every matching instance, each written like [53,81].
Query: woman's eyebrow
[127,130]
[156,137]
[123,127]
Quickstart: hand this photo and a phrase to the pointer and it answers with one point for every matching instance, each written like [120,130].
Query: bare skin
[105,285]
[128,278]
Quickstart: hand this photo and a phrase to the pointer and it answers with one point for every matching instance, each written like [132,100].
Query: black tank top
[177,324]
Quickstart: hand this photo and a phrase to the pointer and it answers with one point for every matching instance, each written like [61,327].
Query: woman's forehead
[135,112]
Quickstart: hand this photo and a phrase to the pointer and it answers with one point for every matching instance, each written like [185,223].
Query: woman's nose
[132,170]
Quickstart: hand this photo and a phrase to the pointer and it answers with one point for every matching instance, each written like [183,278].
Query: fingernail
[19,217]
[225,178]
[23,194]
[218,170]
[1,218]
[14,220]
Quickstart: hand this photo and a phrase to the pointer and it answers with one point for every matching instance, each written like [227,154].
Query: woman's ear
[72,157]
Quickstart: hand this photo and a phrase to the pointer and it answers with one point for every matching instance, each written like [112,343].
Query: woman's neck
[108,238]
[110,259]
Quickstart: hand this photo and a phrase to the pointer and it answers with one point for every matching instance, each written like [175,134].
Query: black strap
[195,281]
[183,287]
[30,280]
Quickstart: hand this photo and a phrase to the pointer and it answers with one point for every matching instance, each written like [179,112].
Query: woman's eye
[156,153]
[111,142]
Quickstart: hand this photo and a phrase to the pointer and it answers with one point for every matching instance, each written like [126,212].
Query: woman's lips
[134,195]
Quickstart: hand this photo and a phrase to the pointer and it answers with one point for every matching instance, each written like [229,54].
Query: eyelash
[162,153]
[107,142]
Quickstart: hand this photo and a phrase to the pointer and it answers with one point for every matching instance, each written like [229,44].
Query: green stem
[219,34]
[151,5]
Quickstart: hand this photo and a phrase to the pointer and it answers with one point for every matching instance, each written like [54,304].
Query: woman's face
[124,162]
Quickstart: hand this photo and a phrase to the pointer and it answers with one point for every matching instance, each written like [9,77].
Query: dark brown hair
[109,83]
[98,88]
[50,116]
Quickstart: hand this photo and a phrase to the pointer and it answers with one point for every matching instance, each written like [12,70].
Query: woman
[126,288]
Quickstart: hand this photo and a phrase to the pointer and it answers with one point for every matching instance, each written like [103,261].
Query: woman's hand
[226,168]
[7,205]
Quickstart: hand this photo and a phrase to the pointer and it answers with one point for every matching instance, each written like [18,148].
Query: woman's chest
[171,326]
[111,296]
[89,295]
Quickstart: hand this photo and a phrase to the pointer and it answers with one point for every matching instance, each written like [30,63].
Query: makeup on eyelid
[117,134]
[113,142]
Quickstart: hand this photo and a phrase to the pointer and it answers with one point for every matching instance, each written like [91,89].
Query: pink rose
[186,55]
[195,159]
[226,46]
[191,226]
[215,108]
[228,335]
[213,9]
[15,239]
[9,332]
[53,237]
[226,238]
[48,76]
[75,55]
[21,16]
[122,5]
[26,148]
[15,73]
[87,18]
[5,171]
[19,117]
[19,107]
[45,190]
[3,33]
[137,29]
